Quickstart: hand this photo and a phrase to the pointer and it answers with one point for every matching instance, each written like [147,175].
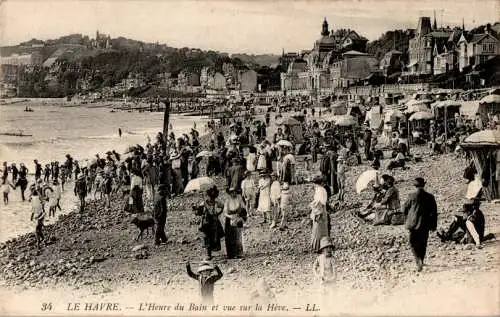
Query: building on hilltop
[476,49]
[391,63]
[352,68]
[247,80]
[186,80]
[312,70]
[421,47]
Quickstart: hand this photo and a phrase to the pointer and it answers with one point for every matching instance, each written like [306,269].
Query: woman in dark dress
[236,215]
[211,226]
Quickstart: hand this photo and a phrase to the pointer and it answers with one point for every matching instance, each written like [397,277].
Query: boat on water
[20,134]
[28,109]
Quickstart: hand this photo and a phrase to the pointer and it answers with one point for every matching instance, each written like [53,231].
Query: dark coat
[421,211]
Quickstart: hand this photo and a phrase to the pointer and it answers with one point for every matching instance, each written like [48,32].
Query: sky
[238,26]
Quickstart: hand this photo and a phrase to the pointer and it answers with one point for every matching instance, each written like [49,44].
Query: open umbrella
[395,113]
[345,121]
[490,99]
[482,138]
[417,108]
[205,153]
[418,102]
[473,189]
[365,179]
[447,103]
[289,121]
[284,143]
[421,115]
[199,184]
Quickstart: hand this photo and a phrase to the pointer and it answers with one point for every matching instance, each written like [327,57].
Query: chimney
[487,29]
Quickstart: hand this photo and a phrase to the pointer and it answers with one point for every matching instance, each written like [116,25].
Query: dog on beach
[143,225]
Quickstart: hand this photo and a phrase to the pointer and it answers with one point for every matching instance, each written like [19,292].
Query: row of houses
[435,51]
[210,79]
[337,62]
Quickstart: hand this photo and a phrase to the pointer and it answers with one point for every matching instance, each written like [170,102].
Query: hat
[388,178]
[205,266]
[468,206]
[325,242]
[213,190]
[419,182]
[376,164]
[263,172]
[317,179]
[285,186]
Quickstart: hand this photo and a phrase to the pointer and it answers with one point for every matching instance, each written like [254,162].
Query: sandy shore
[376,273]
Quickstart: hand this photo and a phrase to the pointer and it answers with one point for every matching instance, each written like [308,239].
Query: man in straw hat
[206,274]
[421,217]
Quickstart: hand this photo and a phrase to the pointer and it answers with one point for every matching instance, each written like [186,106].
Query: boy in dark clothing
[38,170]
[81,191]
[206,278]
[160,214]
[15,172]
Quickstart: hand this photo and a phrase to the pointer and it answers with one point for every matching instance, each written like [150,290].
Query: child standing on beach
[323,266]
[207,274]
[6,185]
[37,215]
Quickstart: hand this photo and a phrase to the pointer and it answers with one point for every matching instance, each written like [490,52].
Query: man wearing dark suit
[421,217]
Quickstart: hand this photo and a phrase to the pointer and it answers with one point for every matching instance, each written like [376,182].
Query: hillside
[262,60]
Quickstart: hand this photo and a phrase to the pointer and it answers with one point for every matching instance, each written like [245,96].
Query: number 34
[46,306]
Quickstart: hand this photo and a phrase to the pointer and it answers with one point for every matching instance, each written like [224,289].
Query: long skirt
[234,240]
[320,229]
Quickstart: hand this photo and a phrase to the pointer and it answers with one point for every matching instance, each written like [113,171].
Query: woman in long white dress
[264,205]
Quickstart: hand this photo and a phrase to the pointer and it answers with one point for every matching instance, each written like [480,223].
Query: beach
[90,257]
[57,129]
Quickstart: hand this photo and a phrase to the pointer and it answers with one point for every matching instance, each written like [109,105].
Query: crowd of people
[258,173]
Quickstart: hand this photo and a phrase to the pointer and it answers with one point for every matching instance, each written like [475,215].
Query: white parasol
[365,179]
[421,115]
[284,143]
[473,189]
[205,153]
[199,184]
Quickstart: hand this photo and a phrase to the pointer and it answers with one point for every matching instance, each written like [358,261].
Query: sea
[79,131]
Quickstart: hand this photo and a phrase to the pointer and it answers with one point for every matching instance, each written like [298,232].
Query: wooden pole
[166,120]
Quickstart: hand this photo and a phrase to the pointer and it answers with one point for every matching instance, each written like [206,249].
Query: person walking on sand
[207,274]
[37,215]
[421,217]
[57,193]
[81,191]
[6,186]
[22,182]
[120,132]
[160,214]
[38,170]
[236,216]
[15,172]
[264,204]
[324,267]
[211,227]
[319,216]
